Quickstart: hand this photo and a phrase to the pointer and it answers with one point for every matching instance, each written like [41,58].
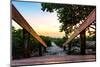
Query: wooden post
[44,49]
[26,43]
[16,16]
[90,19]
[64,48]
[69,49]
[83,42]
[40,50]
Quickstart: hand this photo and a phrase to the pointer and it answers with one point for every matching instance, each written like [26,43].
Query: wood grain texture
[24,24]
[90,19]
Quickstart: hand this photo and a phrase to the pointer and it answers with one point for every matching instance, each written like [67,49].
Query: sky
[44,23]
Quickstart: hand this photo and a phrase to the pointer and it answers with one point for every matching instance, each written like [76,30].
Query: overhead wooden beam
[23,23]
[90,18]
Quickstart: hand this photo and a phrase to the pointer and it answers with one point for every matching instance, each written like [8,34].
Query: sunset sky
[44,23]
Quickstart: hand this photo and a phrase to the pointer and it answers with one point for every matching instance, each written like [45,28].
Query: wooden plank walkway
[53,60]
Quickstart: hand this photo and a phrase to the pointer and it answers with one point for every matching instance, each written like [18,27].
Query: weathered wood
[54,59]
[23,23]
[83,42]
[90,18]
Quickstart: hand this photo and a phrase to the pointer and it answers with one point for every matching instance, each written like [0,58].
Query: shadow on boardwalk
[54,60]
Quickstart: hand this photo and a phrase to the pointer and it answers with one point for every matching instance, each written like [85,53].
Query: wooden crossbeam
[90,19]
[23,23]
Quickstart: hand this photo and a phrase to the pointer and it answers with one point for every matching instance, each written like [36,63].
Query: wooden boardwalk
[53,60]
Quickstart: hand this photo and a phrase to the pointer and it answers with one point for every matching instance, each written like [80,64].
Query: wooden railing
[90,19]
[23,23]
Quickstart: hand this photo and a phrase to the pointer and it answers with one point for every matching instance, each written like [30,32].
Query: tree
[68,15]
[17,41]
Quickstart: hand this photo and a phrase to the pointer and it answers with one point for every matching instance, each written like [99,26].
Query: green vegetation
[68,15]
[18,43]
[59,41]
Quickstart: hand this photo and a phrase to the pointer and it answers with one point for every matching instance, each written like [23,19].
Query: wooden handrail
[90,19]
[24,24]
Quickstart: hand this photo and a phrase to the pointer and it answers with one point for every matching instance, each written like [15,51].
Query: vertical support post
[40,50]
[44,49]
[26,43]
[64,48]
[83,42]
[69,49]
